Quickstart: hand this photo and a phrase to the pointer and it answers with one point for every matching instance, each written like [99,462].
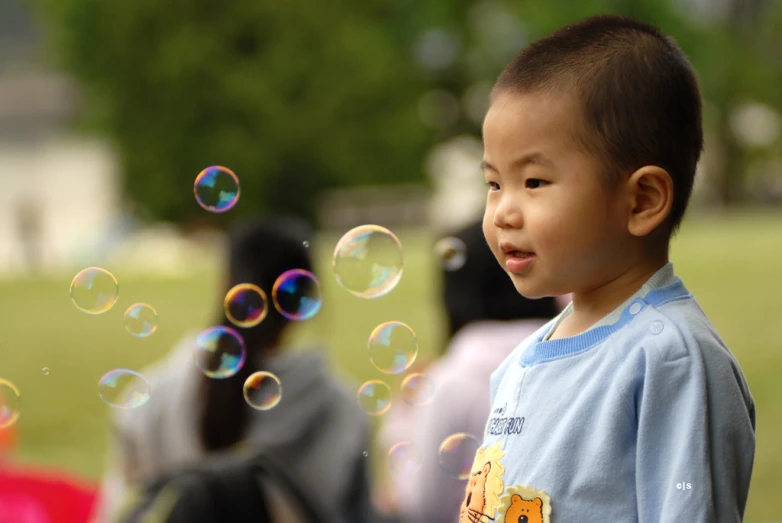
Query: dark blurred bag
[256,490]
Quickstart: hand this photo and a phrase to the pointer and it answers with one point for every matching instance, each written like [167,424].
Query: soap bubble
[296,294]
[94,290]
[246,305]
[45,371]
[262,390]
[417,389]
[368,261]
[374,396]
[124,389]
[457,453]
[393,347]
[451,252]
[403,459]
[216,189]
[219,352]
[10,402]
[141,320]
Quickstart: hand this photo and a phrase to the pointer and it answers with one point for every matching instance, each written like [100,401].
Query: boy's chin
[524,288]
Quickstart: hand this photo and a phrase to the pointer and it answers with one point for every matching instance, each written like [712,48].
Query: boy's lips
[514,250]
[516,261]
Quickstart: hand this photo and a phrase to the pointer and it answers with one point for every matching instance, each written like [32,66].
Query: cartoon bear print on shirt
[482,494]
[522,504]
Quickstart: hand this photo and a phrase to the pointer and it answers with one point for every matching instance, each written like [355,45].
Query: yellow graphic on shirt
[523,503]
[482,495]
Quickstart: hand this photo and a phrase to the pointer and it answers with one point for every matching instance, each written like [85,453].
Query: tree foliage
[299,96]
[293,96]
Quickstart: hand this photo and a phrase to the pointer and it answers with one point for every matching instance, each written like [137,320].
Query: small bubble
[374,396]
[45,371]
[216,189]
[393,347]
[124,389]
[94,290]
[368,261]
[457,453]
[306,245]
[403,459]
[296,294]
[141,320]
[219,352]
[451,252]
[10,402]
[262,390]
[246,305]
[366,454]
[417,389]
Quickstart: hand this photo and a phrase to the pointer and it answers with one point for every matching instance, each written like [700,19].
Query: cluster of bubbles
[455,456]
[367,262]
[94,291]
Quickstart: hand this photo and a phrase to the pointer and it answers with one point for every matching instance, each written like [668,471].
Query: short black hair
[638,94]
[481,289]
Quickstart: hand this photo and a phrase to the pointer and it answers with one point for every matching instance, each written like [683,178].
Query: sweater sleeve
[695,436]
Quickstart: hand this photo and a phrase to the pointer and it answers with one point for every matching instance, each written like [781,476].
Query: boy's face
[555,207]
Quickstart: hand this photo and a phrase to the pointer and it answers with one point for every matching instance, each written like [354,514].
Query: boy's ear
[650,190]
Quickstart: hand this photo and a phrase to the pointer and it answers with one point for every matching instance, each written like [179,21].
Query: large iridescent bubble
[368,261]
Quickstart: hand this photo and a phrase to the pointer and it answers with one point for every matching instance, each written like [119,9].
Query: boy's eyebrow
[534,158]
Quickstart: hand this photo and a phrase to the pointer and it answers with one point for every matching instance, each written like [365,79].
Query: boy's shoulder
[681,329]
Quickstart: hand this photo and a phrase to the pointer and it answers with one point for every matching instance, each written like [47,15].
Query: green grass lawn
[730,263]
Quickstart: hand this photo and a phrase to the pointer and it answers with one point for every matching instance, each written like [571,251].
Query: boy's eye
[533,180]
[493,186]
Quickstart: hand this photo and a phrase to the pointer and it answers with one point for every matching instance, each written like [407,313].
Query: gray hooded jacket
[317,430]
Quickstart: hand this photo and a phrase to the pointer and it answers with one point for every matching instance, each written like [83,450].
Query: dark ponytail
[259,252]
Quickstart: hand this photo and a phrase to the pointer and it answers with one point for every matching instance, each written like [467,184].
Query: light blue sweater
[645,417]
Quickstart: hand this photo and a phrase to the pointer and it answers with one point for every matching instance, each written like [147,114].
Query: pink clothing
[37,496]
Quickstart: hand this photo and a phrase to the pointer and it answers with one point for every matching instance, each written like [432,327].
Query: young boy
[628,406]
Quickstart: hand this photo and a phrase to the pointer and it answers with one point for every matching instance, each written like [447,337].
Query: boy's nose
[507,215]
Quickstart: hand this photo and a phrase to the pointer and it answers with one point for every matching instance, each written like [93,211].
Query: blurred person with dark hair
[317,430]
[487,319]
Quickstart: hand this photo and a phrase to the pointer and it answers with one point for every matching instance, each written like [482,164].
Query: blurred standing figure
[29,228]
[317,429]
[487,319]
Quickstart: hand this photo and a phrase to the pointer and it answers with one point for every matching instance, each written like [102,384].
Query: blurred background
[346,113]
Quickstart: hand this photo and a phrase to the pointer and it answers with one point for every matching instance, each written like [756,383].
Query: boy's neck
[592,306]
